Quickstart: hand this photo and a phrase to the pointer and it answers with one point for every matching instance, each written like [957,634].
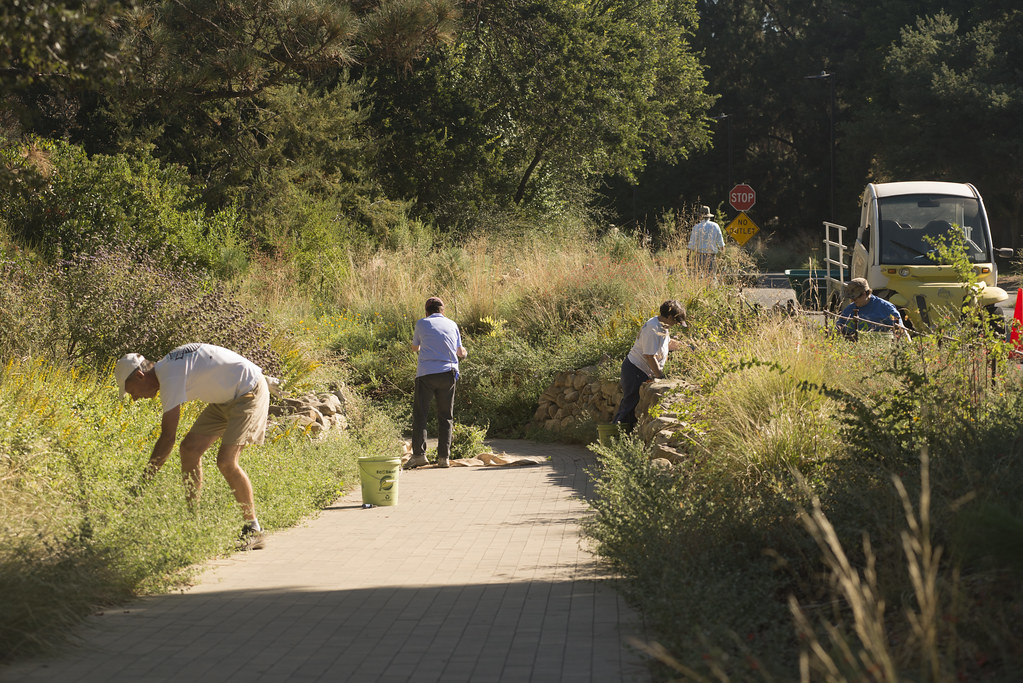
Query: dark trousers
[632,380]
[439,387]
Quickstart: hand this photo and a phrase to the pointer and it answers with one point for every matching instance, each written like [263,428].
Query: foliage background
[293,179]
[472,117]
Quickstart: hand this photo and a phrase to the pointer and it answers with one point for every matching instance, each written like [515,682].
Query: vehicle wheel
[999,325]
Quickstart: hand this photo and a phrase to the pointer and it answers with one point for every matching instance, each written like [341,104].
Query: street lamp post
[829,77]
[728,135]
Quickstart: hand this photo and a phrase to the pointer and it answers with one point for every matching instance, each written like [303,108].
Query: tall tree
[949,108]
[538,99]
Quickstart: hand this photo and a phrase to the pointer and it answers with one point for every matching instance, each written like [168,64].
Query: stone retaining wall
[580,396]
[664,433]
[575,397]
[317,412]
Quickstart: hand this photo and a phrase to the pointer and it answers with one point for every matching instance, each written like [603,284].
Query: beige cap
[856,287]
[126,365]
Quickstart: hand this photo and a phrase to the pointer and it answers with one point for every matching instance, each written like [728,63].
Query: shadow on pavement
[542,631]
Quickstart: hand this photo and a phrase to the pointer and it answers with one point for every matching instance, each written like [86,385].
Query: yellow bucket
[606,432]
[379,477]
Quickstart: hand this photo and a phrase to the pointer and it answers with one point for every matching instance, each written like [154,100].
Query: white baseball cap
[126,365]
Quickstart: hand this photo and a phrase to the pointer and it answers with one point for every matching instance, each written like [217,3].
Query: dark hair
[434,304]
[673,309]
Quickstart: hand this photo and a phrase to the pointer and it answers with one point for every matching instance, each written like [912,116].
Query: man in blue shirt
[872,313]
[438,342]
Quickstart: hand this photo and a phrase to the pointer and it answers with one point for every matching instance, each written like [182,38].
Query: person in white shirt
[706,241]
[646,359]
[238,400]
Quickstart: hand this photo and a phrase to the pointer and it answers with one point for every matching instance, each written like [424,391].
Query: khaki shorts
[241,422]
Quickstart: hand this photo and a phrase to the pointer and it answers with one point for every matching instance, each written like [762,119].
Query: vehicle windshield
[910,224]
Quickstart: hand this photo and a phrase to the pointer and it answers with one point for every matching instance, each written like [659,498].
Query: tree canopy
[363,115]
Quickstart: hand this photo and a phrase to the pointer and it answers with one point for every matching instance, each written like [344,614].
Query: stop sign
[742,197]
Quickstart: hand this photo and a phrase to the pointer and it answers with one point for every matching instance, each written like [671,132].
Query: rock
[318,412]
[310,413]
[328,404]
[301,422]
[663,452]
[663,437]
[661,463]
[648,428]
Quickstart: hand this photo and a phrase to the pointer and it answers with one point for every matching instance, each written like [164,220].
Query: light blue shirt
[706,238]
[438,340]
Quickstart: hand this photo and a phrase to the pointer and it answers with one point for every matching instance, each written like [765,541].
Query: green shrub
[693,559]
[500,382]
[81,201]
[23,319]
[120,299]
[95,306]
[467,441]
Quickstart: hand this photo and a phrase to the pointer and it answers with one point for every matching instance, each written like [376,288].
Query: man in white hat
[706,241]
[238,399]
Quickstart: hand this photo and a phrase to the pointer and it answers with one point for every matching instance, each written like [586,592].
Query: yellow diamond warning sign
[742,228]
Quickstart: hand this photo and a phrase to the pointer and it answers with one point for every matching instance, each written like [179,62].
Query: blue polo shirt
[876,310]
[438,340]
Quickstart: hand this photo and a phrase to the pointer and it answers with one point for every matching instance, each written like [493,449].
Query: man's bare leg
[227,462]
[191,449]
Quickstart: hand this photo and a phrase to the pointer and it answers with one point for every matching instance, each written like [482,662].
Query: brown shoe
[443,462]
[416,461]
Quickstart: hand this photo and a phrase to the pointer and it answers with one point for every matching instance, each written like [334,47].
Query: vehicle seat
[888,230]
[937,228]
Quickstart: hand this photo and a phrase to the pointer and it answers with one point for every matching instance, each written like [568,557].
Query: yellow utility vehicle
[894,250]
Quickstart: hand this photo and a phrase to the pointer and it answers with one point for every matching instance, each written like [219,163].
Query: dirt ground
[1010,283]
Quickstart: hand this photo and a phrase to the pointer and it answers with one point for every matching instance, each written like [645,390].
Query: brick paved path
[478,574]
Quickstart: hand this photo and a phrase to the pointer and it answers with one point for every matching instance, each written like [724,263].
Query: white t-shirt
[653,341]
[205,372]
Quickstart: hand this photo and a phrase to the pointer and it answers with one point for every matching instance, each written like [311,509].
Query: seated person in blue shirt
[873,313]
